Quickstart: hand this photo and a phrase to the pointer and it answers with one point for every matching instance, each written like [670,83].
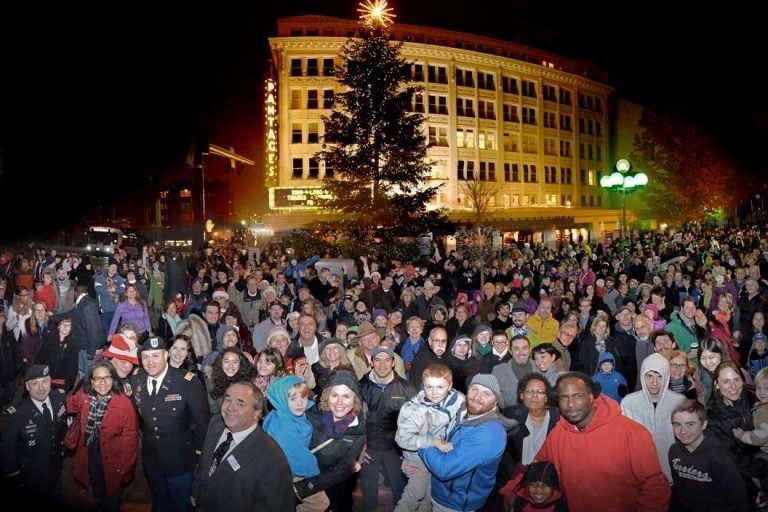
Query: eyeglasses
[101,380]
[678,366]
[535,392]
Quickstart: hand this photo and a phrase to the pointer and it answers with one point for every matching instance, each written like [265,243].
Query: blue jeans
[169,493]
[83,364]
[389,462]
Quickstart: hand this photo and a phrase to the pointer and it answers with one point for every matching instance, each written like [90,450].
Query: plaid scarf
[95,416]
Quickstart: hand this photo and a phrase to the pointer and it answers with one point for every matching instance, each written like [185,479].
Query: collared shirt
[237,438]
[39,405]
[159,380]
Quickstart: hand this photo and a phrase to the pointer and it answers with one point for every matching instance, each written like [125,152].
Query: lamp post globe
[624,180]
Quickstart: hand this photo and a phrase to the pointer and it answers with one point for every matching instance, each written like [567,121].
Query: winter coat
[337,459]
[613,384]
[442,418]
[658,420]
[463,478]
[118,439]
[588,461]
[383,409]
[197,330]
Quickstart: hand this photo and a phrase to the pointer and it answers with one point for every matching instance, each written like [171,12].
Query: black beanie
[543,471]
[347,378]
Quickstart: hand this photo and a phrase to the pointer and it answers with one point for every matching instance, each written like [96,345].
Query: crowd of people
[633,377]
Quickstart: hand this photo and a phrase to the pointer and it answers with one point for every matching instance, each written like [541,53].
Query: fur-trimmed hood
[197,330]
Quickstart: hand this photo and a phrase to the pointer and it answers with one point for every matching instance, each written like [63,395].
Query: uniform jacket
[31,446]
[254,476]
[118,440]
[173,423]
[589,460]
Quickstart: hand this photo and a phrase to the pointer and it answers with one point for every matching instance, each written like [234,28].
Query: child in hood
[536,490]
[613,383]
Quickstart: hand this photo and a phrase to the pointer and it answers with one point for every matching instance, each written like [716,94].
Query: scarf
[334,428]
[677,385]
[484,349]
[173,321]
[95,417]
[520,370]
[600,345]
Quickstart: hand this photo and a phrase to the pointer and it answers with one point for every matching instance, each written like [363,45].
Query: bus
[103,239]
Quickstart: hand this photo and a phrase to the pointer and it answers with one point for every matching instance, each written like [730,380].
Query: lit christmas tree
[374,144]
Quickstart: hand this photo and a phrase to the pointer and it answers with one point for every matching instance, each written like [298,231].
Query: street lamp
[624,180]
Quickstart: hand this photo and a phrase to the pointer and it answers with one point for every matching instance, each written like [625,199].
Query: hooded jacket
[595,466]
[463,478]
[658,420]
[613,384]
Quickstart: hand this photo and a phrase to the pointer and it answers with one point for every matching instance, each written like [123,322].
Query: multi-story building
[532,123]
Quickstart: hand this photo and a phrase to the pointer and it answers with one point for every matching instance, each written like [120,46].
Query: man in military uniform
[173,410]
[32,451]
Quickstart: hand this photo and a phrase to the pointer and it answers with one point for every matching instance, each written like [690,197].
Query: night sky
[92,102]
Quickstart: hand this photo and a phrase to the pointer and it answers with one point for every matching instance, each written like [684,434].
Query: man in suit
[174,416]
[242,468]
[32,451]
[87,330]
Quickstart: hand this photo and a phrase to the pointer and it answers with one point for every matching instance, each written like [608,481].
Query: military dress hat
[153,343]
[36,371]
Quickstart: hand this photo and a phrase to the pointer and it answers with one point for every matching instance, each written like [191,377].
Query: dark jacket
[9,359]
[86,325]
[383,408]
[337,459]
[262,480]
[61,357]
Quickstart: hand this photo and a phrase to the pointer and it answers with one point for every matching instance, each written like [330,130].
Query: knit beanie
[488,381]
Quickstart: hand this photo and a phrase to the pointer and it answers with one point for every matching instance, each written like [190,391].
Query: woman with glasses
[536,413]
[105,457]
[682,374]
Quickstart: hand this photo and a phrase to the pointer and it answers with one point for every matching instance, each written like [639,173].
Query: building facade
[528,127]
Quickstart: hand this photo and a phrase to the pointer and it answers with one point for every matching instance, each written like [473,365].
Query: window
[598,105]
[418,102]
[486,81]
[511,142]
[328,98]
[565,97]
[549,93]
[437,75]
[590,152]
[591,200]
[510,113]
[551,199]
[565,148]
[328,67]
[598,153]
[529,88]
[529,116]
[314,168]
[582,103]
[550,176]
[486,139]
[466,170]
[566,176]
[550,120]
[509,85]
[486,109]
[465,107]
[583,200]
[438,136]
[295,99]
[515,199]
[312,96]
[530,144]
[296,133]
[465,78]
[591,178]
[295,67]
[590,127]
[565,122]
[529,173]
[418,72]
[471,170]
[312,69]
[583,176]
[550,147]
[598,129]
[487,171]
[511,172]
[438,104]
[298,168]
[581,125]
[313,136]
[465,138]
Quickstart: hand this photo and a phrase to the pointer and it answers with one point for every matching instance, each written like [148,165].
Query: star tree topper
[376,13]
